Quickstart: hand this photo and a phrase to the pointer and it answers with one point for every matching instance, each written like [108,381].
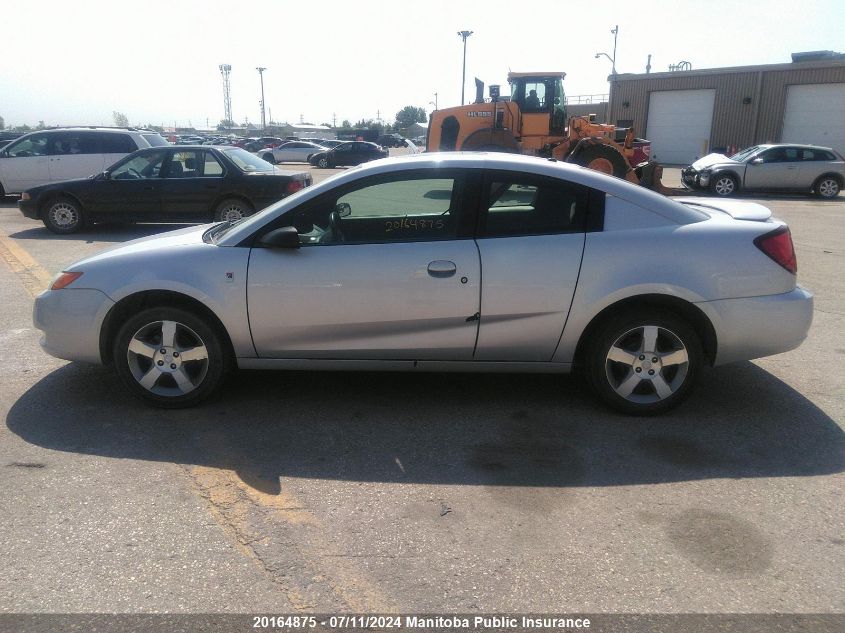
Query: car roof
[801,145]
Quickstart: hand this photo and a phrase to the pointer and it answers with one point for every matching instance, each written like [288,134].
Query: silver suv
[57,154]
[784,167]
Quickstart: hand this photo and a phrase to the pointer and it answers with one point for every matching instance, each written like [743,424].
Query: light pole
[615,31]
[261,70]
[464,35]
[434,103]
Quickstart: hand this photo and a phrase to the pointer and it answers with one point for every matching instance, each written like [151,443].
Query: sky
[76,62]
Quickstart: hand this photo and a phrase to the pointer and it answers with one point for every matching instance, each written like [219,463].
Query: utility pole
[225,69]
[261,70]
[464,35]
[434,103]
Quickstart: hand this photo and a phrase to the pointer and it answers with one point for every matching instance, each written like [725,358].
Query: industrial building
[689,113]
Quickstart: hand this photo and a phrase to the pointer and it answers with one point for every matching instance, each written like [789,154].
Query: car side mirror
[757,161]
[285,237]
[343,209]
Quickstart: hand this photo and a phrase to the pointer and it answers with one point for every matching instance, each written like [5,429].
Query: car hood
[187,236]
[713,159]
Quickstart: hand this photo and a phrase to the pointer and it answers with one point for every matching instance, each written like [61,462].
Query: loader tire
[602,158]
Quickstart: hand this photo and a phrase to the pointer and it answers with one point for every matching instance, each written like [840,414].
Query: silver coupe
[443,262]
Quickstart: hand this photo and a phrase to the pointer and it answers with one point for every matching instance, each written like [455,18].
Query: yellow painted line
[31,274]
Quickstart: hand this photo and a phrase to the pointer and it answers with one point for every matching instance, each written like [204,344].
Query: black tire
[199,378]
[827,187]
[232,209]
[323,162]
[603,158]
[616,361]
[724,185]
[269,158]
[63,215]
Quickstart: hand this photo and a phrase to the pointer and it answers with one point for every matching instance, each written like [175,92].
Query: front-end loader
[533,121]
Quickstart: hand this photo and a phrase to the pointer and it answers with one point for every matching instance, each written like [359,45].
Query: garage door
[815,114]
[679,125]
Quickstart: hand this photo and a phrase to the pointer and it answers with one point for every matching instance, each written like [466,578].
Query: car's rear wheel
[724,185]
[169,357]
[827,187]
[269,158]
[63,216]
[231,210]
[644,362]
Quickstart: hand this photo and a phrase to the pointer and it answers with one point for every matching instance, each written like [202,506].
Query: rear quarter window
[117,144]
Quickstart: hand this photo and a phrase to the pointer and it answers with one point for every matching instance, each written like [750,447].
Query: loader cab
[541,100]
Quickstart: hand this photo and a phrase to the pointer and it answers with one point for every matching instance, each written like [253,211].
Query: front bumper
[694,179]
[71,320]
[29,209]
[753,327]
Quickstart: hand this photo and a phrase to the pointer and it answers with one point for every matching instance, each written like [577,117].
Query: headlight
[25,196]
[704,172]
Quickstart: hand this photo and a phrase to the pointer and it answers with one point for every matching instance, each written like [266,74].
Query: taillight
[294,186]
[778,246]
[64,280]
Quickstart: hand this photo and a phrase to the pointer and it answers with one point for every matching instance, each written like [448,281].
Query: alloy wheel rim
[647,364]
[724,186]
[167,358]
[64,215]
[829,188]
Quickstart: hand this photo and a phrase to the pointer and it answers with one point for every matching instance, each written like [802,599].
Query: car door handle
[442,268]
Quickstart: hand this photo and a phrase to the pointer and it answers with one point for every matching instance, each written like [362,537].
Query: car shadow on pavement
[116,232]
[502,430]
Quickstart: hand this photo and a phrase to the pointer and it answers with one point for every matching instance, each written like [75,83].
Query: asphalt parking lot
[422,493]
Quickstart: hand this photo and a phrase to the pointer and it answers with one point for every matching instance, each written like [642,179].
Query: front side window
[35,145]
[405,208]
[519,204]
[780,155]
[140,167]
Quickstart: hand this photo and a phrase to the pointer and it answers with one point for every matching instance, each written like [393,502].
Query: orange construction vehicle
[533,121]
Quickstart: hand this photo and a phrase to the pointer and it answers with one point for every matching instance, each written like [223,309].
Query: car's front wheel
[232,210]
[724,185]
[169,357]
[827,187]
[323,162]
[63,216]
[644,362]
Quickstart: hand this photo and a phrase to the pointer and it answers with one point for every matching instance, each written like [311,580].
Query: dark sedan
[184,184]
[346,154]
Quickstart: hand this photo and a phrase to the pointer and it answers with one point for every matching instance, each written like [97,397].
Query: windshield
[247,161]
[216,233]
[748,151]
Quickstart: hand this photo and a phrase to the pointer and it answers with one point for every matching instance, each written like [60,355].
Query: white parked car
[290,152]
[443,262]
[46,156]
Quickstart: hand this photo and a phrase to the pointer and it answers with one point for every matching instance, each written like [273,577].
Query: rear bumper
[754,327]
